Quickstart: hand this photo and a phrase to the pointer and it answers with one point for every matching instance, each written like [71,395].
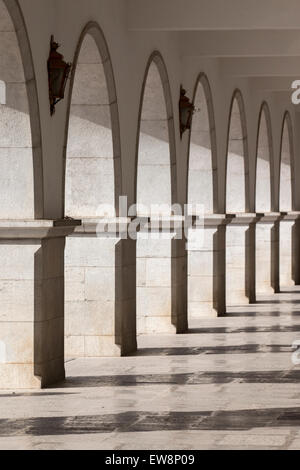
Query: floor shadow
[277,301]
[34,394]
[247,329]
[294,292]
[226,349]
[262,314]
[136,421]
[198,378]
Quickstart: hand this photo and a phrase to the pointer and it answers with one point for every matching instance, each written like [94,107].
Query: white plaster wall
[90,169]
[200,182]
[154,169]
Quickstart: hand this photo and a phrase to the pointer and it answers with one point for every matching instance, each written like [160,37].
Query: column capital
[241,218]
[37,229]
[214,220]
[107,226]
[268,217]
[290,216]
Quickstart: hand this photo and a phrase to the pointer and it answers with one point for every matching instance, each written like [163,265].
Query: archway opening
[23,255]
[266,228]
[155,186]
[16,147]
[289,228]
[90,188]
[263,163]
[92,322]
[286,167]
[237,198]
[202,200]
[236,156]
[153,174]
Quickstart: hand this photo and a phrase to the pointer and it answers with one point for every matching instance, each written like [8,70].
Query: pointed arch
[287,174]
[237,165]
[202,185]
[92,149]
[155,178]
[264,186]
[21,162]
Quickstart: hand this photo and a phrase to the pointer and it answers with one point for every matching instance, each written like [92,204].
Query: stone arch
[237,166]
[21,181]
[289,230]
[156,148]
[266,232]
[92,150]
[287,176]
[202,183]
[92,189]
[264,188]
[156,191]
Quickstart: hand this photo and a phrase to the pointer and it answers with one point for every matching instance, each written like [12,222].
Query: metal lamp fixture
[58,74]
[186,111]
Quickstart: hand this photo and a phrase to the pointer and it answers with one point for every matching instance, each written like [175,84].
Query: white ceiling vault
[256,40]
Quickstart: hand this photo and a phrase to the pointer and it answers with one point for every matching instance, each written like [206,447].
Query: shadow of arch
[287,203]
[205,137]
[264,165]
[93,29]
[14,11]
[237,144]
[157,60]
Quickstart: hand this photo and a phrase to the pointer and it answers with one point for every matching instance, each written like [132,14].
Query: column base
[161,278]
[206,270]
[101,290]
[240,272]
[32,303]
[267,253]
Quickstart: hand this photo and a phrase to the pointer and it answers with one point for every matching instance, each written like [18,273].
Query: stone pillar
[206,271]
[32,302]
[240,270]
[296,251]
[288,242]
[100,290]
[161,277]
[267,253]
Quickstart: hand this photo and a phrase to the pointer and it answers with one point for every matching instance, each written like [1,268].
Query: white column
[206,271]
[240,272]
[100,290]
[288,241]
[32,303]
[161,278]
[267,253]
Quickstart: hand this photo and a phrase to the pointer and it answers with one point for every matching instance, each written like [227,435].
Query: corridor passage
[228,384]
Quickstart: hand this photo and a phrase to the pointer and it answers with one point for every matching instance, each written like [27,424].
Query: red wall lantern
[186,111]
[58,74]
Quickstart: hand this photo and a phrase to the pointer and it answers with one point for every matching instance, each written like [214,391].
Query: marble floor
[229,384]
